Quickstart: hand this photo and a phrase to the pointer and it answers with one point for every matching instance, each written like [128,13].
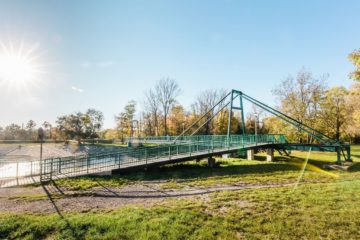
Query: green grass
[312,211]
[228,172]
[320,207]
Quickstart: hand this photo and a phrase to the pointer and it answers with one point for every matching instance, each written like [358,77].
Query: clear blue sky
[113,51]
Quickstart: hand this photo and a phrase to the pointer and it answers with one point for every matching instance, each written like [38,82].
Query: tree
[177,120]
[204,102]
[30,125]
[110,134]
[354,57]
[72,125]
[30,128]
[125,119]
[167,90]
[221,123]
[353,112]
[152,105]
[300,98]
[12,132]
[93,120]
[333,111]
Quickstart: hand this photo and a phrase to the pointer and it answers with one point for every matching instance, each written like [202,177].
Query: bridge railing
[143,156]
[105,161]
[164,139]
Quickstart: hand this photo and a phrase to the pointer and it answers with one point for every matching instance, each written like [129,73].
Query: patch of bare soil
[51,199]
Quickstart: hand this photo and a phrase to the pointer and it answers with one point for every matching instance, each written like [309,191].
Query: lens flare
[19,69]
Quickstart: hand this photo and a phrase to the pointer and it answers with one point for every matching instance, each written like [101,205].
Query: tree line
[332,110]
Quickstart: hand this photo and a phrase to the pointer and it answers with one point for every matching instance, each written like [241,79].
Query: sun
[18,66]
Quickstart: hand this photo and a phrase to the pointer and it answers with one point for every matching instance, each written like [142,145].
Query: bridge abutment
[270,154]
[250,154]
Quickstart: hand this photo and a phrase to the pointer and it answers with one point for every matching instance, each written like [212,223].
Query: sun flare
[18,66]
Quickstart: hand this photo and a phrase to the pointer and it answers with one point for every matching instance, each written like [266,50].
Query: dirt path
[51,199]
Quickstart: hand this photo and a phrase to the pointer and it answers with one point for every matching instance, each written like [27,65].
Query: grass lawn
[325,204]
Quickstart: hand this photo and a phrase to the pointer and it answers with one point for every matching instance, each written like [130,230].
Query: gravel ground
[50,199]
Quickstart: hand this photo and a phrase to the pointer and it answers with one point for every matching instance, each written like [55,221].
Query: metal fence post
[51,168]
[146,157]
[74,170]
[17,172]
[59,162]
[169,152]
[31,169]
[119,159]
[87,163]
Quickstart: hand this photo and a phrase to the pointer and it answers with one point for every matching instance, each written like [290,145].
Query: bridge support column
[250,154]
[270,154]
[338,151]
[211,162]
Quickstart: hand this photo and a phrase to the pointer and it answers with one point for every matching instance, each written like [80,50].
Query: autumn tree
[354,57]
[300,98]
[353,113]
[221,123]
[13,132]
[110,134]
[167,90]
[124,120]
[333,111]
[93,121]
[72,125]
[80,125]
[177,120]
[152,112]
[203,105]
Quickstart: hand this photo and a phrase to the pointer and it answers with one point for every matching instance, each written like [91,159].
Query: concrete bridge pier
[211,162]
[250,154]
[270,154]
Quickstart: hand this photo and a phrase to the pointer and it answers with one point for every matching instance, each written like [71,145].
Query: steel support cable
[296,121]
[218,103]
[210,119]
[291,121]
[264,106]
[288,121]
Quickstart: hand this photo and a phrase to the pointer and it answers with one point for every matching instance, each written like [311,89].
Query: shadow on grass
[189,171]
[147,194]
[185,171]
[49,190]
[354,168]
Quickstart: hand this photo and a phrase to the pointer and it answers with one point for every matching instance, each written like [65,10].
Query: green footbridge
[185,147]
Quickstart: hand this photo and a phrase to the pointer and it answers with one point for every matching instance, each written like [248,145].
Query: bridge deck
[197,147]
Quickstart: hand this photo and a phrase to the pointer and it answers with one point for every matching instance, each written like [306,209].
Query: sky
[102,54]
